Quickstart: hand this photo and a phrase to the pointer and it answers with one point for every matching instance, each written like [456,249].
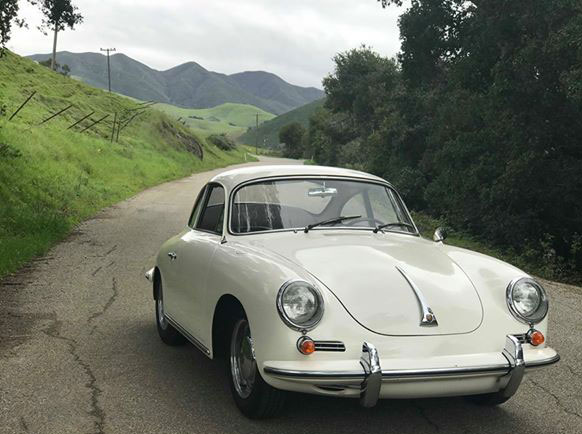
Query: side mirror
[440,234]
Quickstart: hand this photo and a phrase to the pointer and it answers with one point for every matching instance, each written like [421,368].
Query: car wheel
[252,395]
[488,399]
[168,334]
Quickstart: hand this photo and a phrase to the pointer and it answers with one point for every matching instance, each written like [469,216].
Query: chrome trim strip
[501,369]
[199,345]
[392,374]
[428,318]
[290,373]
[337,346]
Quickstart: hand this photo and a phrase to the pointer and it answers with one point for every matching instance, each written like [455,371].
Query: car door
[194,253]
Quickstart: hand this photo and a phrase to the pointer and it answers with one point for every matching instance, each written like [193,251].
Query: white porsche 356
[316,280]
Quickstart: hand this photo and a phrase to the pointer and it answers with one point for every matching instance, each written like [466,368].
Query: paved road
[79,351]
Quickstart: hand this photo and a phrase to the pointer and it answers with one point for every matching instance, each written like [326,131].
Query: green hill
[186,85]
[269,131]
[53,176]
[232,119]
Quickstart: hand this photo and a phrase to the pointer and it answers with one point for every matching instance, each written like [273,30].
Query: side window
[213,213]
[382,202]
[197,208]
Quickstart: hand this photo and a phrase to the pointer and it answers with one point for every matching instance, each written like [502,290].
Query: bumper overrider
[371,377]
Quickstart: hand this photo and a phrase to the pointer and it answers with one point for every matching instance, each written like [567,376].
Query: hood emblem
[427,318]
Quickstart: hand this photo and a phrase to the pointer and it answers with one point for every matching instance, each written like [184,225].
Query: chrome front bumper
[371,376]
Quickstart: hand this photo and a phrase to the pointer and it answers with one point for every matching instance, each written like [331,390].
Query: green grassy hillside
[230,118]
[52,177]
[269,131]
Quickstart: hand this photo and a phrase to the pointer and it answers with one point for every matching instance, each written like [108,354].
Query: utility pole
[108,50]
[257,137]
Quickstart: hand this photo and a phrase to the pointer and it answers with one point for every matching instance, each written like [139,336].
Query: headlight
[527,300]
[300,305]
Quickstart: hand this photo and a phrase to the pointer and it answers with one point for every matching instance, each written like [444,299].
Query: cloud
[293,39]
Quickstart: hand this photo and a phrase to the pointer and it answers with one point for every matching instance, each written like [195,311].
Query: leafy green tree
[58,14]
[478,121]
[292,136]
[61,69]
[8,17]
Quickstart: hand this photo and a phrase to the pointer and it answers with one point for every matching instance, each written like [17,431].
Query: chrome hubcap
[162,320]
[242,359]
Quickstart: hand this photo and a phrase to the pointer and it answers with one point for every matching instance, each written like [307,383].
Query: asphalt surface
[79,351]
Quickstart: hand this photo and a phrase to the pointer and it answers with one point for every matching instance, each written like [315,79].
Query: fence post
[22,105]
[56,114]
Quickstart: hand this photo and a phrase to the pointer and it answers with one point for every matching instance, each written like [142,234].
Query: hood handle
[427,318]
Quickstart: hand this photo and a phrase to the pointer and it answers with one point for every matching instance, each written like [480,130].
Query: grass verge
[52,177]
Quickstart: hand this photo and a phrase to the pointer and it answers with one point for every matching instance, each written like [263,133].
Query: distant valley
[188,85]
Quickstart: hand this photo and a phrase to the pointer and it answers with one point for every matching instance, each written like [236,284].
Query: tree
[58,14]
[478,121]
[8,16]
[292,135]
[61,69]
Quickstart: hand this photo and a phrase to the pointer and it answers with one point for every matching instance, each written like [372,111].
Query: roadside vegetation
[477,122]
[268,152]
[52,177]
[268,132]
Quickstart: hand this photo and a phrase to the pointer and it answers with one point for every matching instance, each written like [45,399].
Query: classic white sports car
[316,279]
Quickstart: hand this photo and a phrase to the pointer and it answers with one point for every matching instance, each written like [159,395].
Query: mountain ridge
[187,85]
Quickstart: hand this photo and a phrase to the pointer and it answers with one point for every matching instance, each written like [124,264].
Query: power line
[108,50]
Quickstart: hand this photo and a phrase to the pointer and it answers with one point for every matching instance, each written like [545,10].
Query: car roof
[232,178]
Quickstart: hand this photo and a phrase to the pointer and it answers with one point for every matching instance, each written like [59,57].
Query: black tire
[257,400]
[168,334]
[488,399]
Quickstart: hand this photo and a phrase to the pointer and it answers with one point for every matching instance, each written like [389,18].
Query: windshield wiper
[387,225]
[330,222]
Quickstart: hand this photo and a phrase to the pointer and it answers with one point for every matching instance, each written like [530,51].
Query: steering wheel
[374,221]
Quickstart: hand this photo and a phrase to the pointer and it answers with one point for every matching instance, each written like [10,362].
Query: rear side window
[213,212]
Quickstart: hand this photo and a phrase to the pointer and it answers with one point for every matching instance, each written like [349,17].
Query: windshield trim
[318,228]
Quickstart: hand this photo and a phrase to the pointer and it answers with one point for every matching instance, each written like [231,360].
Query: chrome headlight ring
[310,294]
[523,290]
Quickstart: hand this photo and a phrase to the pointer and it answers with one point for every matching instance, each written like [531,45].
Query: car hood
[360,269]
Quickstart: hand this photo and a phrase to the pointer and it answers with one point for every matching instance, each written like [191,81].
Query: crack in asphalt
[54,331]
[428,420]
[107,305]
[96,271]
[111,250]
[572,371]
[556,398]
[23,424]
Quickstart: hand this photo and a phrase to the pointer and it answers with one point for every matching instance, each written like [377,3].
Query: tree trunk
[54,58]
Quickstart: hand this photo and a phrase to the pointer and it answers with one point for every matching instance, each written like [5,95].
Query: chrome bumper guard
[370,388]
[372,375]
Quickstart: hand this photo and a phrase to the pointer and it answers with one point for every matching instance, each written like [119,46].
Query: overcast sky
[294,39]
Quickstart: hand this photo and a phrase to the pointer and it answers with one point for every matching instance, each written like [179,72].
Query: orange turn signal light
[536,338]
[305,345]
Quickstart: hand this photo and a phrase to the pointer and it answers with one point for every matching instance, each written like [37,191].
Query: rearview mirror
[440,234]
[322,192]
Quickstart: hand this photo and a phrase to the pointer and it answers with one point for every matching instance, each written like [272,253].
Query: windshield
[298,203]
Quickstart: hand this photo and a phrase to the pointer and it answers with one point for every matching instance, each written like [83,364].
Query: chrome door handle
[172,256]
